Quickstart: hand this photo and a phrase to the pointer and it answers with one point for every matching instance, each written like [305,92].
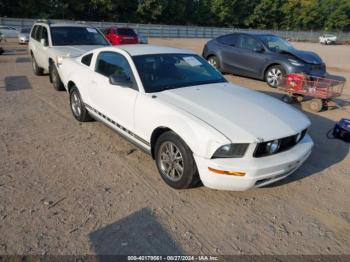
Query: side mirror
[259,49]
[120,80]
[43,41]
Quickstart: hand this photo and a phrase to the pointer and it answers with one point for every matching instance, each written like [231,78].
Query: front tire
[175,161]
[274,74]
[55,78]
[36,69]
[77,106]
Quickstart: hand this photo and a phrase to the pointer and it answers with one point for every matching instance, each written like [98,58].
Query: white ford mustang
[195,124]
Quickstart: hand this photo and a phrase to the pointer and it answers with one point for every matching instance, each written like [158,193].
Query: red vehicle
[121,36]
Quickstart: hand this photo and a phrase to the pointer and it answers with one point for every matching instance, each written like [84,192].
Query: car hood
[23,35]
[306,56]
[73,51]
[241,114]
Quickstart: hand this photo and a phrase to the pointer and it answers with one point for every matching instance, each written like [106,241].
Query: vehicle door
[42,44]
[252,56]
[114,101]
[229,53]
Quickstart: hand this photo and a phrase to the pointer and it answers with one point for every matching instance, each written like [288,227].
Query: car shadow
[138,234]
[327,150]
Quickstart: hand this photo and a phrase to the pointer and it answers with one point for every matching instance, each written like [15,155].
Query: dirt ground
[71,188]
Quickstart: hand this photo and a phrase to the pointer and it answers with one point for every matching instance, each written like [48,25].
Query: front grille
[286,143]
[317,67]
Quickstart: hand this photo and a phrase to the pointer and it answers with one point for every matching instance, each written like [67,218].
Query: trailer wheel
[299,98]
[316,105]
[287,99]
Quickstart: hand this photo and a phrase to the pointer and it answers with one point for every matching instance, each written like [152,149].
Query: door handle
[93,82]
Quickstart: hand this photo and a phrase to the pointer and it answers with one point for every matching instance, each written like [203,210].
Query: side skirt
[127,134]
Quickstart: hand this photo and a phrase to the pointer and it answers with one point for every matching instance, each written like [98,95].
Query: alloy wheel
[274,75]
[213,62]
[76,104]
[171,162]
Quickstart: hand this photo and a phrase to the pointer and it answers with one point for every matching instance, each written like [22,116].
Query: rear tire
[175,161]
[36,69]
[274,74]
[77,106]
[214,62]
[55,78]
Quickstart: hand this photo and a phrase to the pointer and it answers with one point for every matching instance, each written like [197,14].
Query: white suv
[49,43]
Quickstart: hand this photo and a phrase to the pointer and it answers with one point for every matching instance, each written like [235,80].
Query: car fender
[280,62]
[198,137]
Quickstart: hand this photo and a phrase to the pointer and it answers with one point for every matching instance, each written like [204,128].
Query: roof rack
[45,21]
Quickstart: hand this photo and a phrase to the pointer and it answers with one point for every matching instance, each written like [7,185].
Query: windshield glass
[68,35]
[161,72]
[275,43]
[25,30]
[126,31]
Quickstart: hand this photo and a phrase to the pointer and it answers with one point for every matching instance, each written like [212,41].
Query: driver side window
[248,42]
[110,63]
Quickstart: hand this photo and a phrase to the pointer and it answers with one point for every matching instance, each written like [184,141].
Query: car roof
[139,49]
[118,27]
[65,24]
[252,33]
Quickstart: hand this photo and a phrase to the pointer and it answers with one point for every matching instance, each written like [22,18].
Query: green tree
[267,14]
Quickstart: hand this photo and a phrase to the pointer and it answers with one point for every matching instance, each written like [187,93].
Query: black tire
[274,74]
[77,106]
[214,61]
[55,78]
[287,99]
[36,69]
[316,105]
[189,176]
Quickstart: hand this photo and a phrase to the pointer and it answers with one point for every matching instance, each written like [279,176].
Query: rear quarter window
[86,60]
[126,31]
[230,40]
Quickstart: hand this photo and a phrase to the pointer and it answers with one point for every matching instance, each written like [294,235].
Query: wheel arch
[70,85]
[268,66]
[50,63]
[155,135]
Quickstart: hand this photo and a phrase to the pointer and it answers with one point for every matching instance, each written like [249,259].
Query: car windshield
[25,30]
[68,35]
[159,72]
[275,43]
[126,31]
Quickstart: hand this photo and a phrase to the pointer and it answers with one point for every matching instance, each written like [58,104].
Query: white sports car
[194,123]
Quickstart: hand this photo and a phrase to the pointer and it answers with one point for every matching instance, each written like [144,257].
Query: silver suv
[50,42]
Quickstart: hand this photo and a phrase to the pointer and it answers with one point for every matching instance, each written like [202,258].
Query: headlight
[231,151]
[295,62]
[298,137]
[272,146]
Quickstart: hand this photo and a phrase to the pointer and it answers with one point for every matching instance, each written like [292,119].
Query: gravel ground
[72,188]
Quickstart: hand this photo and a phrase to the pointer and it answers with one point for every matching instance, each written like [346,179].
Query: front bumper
[258,171]
[311,70]
[23,40]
